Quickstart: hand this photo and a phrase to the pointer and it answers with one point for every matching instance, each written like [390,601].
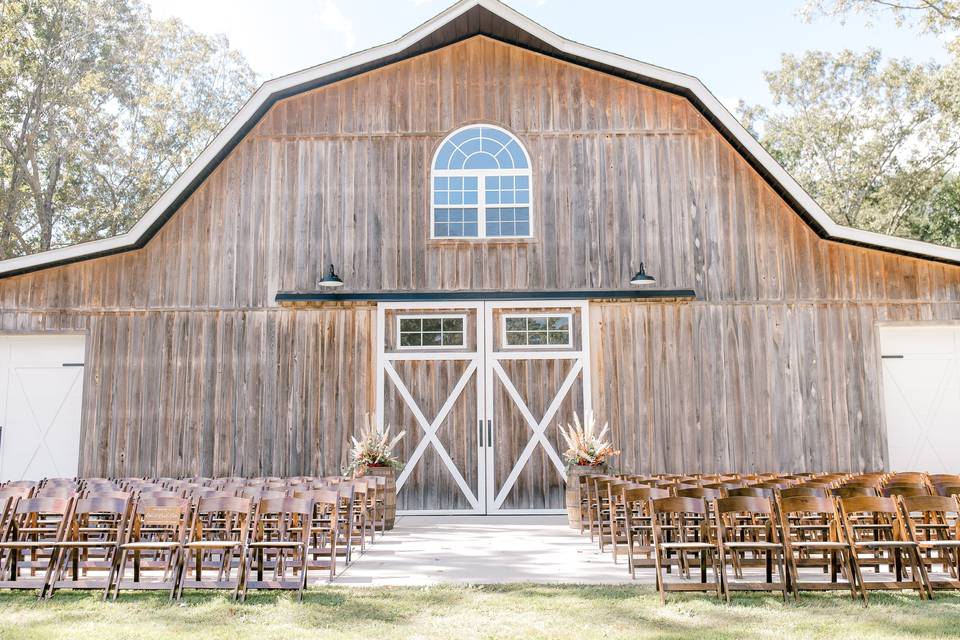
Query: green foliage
[872,140]
[101,107]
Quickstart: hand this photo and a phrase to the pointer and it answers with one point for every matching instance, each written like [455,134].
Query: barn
[474,232]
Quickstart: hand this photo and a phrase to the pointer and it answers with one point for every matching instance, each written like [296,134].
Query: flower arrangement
[585,445]
[373,448]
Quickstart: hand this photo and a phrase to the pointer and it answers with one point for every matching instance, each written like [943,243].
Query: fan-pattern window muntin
[431,331]
[538,330]
[481,186]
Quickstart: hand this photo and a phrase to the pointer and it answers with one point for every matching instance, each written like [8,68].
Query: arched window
[480,185]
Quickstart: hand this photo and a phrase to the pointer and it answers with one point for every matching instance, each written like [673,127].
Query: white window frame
[514,347]
[432,316]
[481,175]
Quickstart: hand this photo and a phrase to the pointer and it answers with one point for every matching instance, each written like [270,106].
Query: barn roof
[465,19]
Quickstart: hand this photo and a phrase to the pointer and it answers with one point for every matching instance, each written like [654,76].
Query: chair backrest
[44,518]
[791,492]
[630,495]
[284,519]
[949,489]
[906,490]
[868,504]
[221,518]
[55,491]
[679,505]
[744,504]
[750,492]
[699,492]
[931,504]
[101,518]
[850,491]
[806,504]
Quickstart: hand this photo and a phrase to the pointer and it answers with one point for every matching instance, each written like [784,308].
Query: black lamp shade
[642,278]
[331,280]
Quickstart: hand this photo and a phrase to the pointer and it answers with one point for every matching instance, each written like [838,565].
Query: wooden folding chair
[813,536]
[879,536]
[747,530]
[934,524]
[217,541]
[87,555]
[10,494]
[36,526]
[325,532]
[282,531]
[637,525]
[678,543]
[154,542]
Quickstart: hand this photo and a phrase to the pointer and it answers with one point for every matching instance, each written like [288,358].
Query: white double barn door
[482,417]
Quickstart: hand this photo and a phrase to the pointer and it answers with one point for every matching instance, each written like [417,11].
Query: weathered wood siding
[192,367]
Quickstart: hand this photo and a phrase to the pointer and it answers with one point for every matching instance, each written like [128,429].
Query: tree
[101,107]
[872,141]
[934,16]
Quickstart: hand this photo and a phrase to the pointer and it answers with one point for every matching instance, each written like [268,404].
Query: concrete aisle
[425,550]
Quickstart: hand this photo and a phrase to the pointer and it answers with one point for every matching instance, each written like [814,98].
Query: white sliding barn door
[537,375]
[41,397]
[482,402]
[921,384]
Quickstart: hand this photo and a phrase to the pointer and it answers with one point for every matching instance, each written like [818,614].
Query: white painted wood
[428,428]
[495,374]
[40,406]
[921,387]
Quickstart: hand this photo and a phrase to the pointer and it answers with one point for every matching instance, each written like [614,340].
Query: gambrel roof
[465,19]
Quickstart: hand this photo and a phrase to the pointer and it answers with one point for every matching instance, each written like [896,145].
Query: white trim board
[279,87]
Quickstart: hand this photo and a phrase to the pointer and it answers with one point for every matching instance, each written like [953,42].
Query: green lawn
[525,611]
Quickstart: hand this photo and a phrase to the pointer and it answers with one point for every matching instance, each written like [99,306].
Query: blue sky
[727,44]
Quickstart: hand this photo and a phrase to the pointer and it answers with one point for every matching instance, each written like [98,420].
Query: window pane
[455,230]
[537,338]
[469,215]
[521,182]
[410,324]
[456,215]
[453,324]
[410,340]
[431,339]
[440,230]
[516,324]
[453,339]
[522,229]
[536,324]
[558,323]
[440,197]
[440,184]
[470,183]
[559,337]
[522,213]
[470,230]
[506,229]
[516,339]
[431,324]
[493,229]
[441,215]
[456,197]
[521,196]
[456,183]
[493,197]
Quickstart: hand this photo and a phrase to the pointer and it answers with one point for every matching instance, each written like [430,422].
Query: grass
[497,611]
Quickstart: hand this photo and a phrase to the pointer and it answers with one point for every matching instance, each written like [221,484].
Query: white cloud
[331,18]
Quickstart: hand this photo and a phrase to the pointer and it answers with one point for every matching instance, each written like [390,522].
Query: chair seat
[86,543]
[276,543]
[28,544]
[814,544]
[214,544]
[150,545]
[753,545]
[686,545]
[939,543]
[886,543]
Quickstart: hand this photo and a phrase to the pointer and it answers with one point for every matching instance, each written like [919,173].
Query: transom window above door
[481,185]
[431,331]
[537,330]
